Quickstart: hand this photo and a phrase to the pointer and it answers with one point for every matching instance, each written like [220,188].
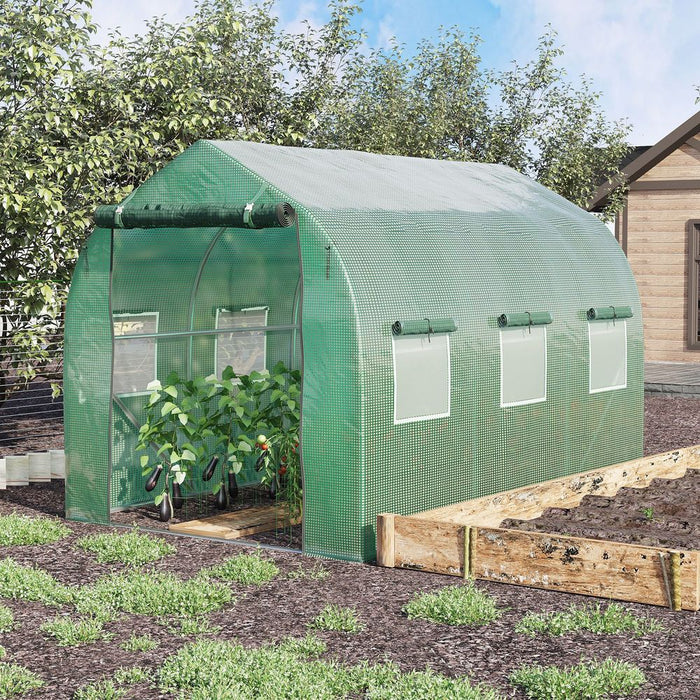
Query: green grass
[454,605]
[17,680]
[28,583]
[3,652]
[192,626]
[337,619]
[247,569]
[111,688]
[153,593]
[291,669]
[142,642]
[7,619]
[105,689]
[72,633]
[614,619]
[128,548]
[586,681]
[16,529]
[315,573]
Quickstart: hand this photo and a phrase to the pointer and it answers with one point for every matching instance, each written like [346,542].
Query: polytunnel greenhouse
[460,330]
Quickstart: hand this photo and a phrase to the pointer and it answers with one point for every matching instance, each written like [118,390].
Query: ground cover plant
[17,680]
[454,605]
[129,548]
[394,656]
[249,569]
[335,618]
[16,529]
[7,619]
[611,619]
[70,632]
[585,681]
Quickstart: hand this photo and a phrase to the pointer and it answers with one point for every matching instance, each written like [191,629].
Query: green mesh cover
[380,238]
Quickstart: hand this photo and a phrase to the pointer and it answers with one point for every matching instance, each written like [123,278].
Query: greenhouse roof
[334,180]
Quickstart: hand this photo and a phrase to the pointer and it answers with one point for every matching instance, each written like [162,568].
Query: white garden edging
[35,467]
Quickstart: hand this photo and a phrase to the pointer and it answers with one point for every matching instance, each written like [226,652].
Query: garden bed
[284,606]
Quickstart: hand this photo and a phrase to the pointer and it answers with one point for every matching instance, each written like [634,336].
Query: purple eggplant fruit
[178,500]
[232,486]
[221,500]
[165,510]
[153,478]
[209,469]
[273,488]
[260,462]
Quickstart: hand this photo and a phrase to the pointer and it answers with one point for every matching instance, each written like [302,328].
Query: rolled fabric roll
[424,326]
[195,216]
[600,313]
[534,318]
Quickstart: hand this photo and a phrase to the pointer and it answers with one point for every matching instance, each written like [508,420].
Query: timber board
[238,523]
[464,539]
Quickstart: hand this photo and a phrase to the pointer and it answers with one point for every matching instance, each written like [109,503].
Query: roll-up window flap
[424,326]
[608,312]
[525,318]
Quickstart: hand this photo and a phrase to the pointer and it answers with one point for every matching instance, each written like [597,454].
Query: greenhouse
[460,330]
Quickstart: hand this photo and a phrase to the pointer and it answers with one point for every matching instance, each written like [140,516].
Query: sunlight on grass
[337,619]
[142,642]
[17,680]
[614,619]
[128,548]
[7,619]
[16,529]
[28,583]
[246,569]
[454,605]
[586,681]
[72,633]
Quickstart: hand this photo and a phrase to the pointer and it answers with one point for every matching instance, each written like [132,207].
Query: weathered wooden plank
[238,523]
[530,501]
[599,568]
[428,545]
[385,539]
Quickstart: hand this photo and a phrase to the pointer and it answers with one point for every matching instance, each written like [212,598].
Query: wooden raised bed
[465,540]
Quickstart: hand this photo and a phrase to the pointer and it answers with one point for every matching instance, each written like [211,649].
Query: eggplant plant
[212,419]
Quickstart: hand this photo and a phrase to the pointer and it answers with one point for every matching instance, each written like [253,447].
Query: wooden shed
[659,231]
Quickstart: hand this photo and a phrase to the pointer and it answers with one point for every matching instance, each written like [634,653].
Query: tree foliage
[83,125]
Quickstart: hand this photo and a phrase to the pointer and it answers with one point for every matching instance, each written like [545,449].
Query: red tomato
[283,470]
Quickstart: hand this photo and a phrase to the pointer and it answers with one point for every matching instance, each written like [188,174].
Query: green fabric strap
[534,318]
[424,326]
[195,216]
[607,312]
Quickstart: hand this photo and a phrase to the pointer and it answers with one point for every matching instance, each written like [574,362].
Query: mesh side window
[135,359]
[246,351]
[421,377]
[607,346]
[523,365]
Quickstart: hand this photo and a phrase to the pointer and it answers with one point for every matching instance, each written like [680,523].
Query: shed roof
[647,158]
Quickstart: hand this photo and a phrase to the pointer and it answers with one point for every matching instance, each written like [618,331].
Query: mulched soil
[670,660]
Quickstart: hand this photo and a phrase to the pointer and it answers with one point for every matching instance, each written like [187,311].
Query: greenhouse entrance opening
[206,382]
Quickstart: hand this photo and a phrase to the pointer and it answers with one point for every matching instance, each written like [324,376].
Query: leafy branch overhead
[83,124]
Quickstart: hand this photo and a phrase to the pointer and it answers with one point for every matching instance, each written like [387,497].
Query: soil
[670,660]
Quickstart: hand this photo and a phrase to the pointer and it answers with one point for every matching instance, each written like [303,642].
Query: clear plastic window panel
[135,359]
[244,352]
[523,365]
[607,343]
[421,377]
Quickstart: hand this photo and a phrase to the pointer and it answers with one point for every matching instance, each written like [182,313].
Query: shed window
[523,365]
[421,377]
[244,351]
[607,346]
[135,359]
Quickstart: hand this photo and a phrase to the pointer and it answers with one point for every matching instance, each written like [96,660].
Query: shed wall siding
[682,164]
[657,250]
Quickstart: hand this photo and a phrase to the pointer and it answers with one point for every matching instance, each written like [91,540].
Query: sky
[643,56]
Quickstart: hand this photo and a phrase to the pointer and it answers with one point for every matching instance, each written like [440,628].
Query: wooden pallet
[465,540]
[238,523]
